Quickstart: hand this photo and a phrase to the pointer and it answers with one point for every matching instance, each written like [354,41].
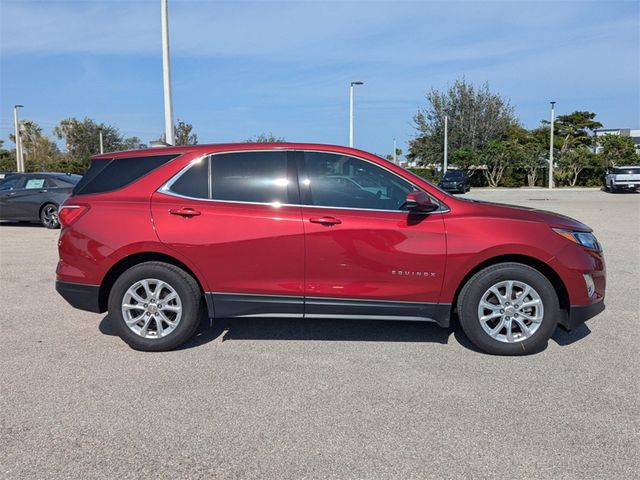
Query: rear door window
[62,182]
[34,183]
[106,175]
[251,177]
[255,177]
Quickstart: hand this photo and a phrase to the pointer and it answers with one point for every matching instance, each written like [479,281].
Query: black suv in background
[455,181]
[35,197]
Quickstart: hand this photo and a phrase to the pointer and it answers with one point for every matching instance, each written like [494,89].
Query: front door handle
[184,212]
[325,220]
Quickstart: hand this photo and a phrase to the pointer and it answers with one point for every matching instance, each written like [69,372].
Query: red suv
[313,231]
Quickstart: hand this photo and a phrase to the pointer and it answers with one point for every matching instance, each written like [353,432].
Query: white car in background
[622,178]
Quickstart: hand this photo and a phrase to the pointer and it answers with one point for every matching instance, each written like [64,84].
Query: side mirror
[420,202]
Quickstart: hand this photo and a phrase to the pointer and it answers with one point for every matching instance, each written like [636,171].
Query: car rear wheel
[508,309]
[155,306]
[49,216]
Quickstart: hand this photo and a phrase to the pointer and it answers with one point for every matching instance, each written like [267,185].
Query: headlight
[586,239]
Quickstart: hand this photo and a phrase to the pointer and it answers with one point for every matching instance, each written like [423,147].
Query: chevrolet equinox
[313,231]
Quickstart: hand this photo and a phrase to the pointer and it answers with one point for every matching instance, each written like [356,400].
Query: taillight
[70,213]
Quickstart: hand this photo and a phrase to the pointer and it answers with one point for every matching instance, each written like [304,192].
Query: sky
[241,68]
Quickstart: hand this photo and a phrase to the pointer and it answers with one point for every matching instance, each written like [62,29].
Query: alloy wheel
[510,311]
[151,308]
[50,216]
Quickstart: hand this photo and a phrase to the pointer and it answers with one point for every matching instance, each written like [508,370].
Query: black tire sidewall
[184,285]
[471,294]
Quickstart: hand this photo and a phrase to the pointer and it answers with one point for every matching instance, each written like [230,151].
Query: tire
[179,317]
[49,216]
[500,342]
[612,189]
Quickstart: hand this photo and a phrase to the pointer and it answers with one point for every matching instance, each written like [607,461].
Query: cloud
[286,65]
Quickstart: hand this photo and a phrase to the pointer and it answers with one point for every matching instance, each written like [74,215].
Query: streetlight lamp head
[357,82]
[552,103]
[18,106]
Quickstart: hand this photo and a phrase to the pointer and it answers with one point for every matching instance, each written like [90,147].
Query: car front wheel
[155,306]
[508,309]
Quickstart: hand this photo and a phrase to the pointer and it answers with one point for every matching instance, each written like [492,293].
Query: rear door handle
[325,220]
[184,212]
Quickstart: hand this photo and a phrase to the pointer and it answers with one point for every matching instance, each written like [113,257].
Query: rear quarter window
[107,175]
[64,182]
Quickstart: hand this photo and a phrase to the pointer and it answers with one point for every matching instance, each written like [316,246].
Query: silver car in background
[622,178]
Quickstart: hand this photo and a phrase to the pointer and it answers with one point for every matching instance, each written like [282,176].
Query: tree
[476,116]
[265,138]
[573,138]
[40,152]
[82,139]
[496,159]
[532,154]
[7,159]
[465,158]
[398,152]
[30,131]
[574,130]
[183,134]
[502,155]
[617,150]
[43,155]
[573,162]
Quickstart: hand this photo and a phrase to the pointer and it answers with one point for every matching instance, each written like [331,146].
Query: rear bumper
[83,297]
[631,185]
[581,313]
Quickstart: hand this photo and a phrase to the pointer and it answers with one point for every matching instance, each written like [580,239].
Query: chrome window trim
[166,187]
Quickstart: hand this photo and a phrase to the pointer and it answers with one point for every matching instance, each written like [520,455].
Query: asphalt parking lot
[320,398]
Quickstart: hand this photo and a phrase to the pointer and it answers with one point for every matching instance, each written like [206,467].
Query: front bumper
[450,187]
[579,314]
[81,296]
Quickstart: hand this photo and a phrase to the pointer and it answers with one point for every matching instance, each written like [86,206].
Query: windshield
[454,174]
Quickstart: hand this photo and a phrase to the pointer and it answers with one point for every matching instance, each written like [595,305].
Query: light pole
[19,158]
[166,76]
[351,85]
[553,118]
[101,143]
[446,144]
[395,152]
